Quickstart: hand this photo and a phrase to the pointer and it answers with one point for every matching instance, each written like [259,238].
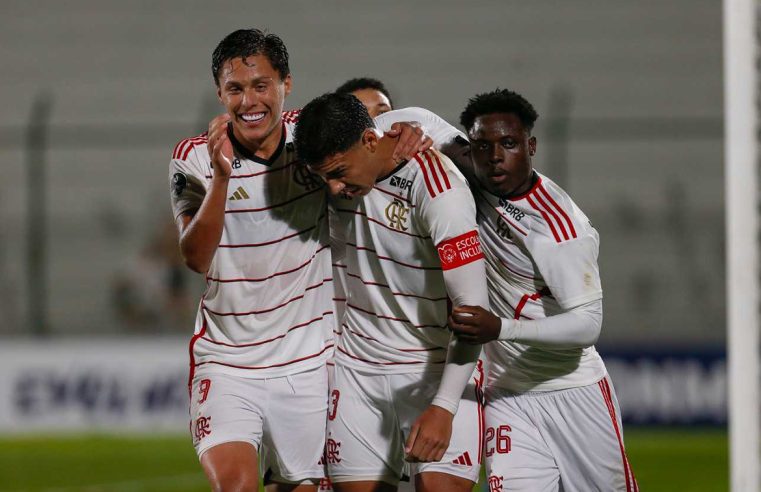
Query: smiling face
[253,95]
[502,148]
[354,172]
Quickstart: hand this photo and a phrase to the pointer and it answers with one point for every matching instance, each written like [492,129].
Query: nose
[495,154]
[335,186]
[250,98]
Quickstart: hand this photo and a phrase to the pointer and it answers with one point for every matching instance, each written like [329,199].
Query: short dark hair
[498,101]
[330,124]
[360,83]
[248,42]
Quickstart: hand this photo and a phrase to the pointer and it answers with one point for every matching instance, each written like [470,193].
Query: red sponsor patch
[460,250]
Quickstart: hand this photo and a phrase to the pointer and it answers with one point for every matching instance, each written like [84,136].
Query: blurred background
[97,308]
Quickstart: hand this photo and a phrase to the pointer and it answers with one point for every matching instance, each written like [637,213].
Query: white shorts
[569,440]
[370,417]
[284,418]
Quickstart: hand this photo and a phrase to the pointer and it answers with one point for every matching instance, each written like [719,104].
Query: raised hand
[220,147]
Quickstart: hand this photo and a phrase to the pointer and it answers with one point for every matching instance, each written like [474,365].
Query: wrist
[220,179]
[509,330]
[442,410]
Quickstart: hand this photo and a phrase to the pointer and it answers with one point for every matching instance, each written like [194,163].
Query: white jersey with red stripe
[541,260]
[267,309]
[396,299]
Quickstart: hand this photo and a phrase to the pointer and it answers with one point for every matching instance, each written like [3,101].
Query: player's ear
[219,94]
[287,84]
[370,139]
[532,146]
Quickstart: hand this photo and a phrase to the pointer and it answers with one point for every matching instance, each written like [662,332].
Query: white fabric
[265,412]
[373,417]
[432,124]
[567,440]
[578,327]
[541,256]
[396,310]
[267,308]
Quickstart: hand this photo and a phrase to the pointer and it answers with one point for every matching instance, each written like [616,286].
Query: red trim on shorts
[480,401]
[631,483]
[192,357]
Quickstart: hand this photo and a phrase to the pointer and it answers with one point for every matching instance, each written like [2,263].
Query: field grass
[684,460]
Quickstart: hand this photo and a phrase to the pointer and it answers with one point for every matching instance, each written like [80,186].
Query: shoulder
[436,174]
[558,219]
[191,155]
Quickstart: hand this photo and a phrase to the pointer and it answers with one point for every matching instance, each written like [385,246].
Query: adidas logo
[464,459]
[240,194]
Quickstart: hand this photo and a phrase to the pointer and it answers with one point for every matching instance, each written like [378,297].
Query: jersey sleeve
[434,125]
[187,177]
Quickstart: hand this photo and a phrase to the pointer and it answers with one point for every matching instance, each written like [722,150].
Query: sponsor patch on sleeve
[460,250]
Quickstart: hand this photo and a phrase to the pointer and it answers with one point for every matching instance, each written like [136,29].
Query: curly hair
[498,101]
[329,124]
[248,42]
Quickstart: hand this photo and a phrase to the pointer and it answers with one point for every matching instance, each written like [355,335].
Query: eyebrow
[335,173]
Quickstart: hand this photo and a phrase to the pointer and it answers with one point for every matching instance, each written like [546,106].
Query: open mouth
[252,117]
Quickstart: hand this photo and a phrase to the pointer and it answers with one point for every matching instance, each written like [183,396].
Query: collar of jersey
[243,152]
[394,171]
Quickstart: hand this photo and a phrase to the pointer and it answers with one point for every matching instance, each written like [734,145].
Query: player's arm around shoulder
[199,203]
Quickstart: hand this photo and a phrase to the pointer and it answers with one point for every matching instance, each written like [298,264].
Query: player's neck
[384,155]
[263,148]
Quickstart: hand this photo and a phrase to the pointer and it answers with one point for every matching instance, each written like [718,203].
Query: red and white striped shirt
[267,308]
[396,299]
[541,260]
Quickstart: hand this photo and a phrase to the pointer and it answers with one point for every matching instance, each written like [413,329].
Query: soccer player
[552,418]
[412,245]
[371,92]
[254,223]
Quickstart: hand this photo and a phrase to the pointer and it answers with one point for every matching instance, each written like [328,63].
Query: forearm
[577,328]
[466,285]
[200,238]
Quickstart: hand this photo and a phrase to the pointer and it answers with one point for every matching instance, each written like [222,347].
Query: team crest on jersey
[305,178]
[396,213]
[179,183]
[503,230]
[203,427]
[495,483]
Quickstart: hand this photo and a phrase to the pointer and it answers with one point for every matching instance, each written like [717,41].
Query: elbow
[195,262]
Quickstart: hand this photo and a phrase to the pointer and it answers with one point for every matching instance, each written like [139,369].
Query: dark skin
[501,148]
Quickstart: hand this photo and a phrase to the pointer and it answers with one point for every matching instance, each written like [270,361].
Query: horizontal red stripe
[252,175]
[376,221]
[402,294]
[267,243]
[386,363]
[272,308]
[391,318]
[417,267]
[296,198]
[263,342]
[270,366]
[367,337]
[284,272]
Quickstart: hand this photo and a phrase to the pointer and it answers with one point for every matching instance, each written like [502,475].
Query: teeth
[252,116]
